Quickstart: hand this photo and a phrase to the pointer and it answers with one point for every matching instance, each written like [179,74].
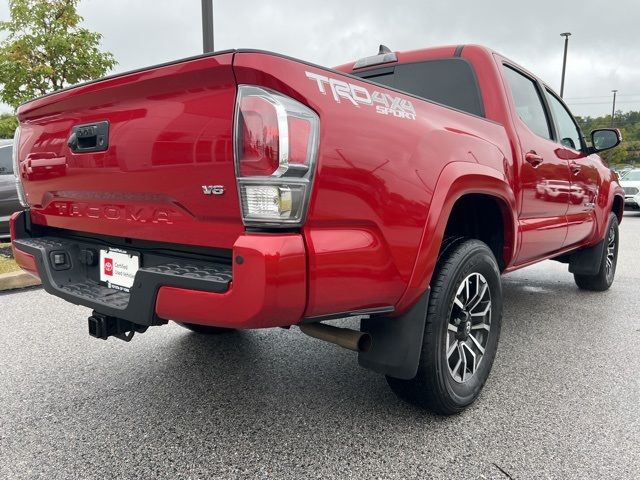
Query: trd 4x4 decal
[385,104]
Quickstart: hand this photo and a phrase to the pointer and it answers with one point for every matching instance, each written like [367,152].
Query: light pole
[566,36]
[613,110]
[207,26]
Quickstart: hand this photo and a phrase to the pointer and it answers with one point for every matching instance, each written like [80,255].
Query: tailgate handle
[90,137]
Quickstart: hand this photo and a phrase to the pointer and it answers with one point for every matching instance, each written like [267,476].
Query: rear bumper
[263,285]
[268,288]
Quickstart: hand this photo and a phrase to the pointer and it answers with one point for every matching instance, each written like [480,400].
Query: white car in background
[631,185]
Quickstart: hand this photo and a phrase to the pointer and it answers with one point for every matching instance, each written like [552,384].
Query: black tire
[205,329]
[602,280]
[435,387]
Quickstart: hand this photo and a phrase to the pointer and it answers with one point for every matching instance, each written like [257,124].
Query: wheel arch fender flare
[456,180]
[617,195]
[610,193]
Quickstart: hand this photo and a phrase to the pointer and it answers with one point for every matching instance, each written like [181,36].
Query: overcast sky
[604,50]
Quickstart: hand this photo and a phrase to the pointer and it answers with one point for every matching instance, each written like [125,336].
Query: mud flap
[588,260]
[396,342]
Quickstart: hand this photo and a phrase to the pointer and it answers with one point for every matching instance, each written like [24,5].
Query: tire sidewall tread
[433,387]
[599,282]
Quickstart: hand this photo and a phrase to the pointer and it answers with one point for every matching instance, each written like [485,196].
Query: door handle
[575,168]
[533,158]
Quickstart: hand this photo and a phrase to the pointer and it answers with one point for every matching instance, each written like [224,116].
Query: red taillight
[259,144]
[299,133]
[275,146]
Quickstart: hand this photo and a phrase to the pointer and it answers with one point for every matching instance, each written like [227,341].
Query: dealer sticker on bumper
[118,268]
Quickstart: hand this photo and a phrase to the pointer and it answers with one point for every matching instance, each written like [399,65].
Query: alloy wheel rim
[468,327]
[611,253]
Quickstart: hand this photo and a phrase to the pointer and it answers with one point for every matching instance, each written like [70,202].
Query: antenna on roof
[385,55]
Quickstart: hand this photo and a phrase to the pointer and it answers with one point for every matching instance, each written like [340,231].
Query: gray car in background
[8,195]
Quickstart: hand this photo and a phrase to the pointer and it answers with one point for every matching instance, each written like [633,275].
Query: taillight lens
[275,148]
[16,169]
[260,147]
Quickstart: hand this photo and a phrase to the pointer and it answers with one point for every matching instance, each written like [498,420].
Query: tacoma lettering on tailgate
[116,212]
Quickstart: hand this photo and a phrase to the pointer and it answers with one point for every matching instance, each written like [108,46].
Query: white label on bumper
[118,268]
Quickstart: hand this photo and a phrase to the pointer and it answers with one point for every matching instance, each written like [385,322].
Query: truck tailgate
[169,135]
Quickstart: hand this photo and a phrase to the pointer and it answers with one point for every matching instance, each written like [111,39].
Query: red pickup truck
[245,189]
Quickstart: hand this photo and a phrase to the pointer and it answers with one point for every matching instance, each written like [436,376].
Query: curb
[19,279]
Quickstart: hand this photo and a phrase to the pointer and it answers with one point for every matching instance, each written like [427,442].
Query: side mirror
[604,139]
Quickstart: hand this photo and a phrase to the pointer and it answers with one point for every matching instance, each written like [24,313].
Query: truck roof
[421,54]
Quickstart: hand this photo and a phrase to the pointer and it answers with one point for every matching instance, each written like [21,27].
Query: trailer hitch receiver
[105,326]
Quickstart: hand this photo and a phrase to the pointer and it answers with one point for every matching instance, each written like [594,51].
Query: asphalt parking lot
[562,402]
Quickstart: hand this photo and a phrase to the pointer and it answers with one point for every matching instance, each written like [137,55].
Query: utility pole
[207,26]
[613,110]
[566,36]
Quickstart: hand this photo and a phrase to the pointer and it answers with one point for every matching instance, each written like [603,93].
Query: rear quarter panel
[375,181]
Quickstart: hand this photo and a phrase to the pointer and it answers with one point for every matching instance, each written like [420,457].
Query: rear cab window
[450,82]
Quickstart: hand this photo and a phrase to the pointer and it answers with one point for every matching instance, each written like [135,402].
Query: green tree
[628,153]
[46,50]
[8,124]
[615,156]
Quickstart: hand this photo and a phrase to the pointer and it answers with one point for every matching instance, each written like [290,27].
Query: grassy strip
[7,264]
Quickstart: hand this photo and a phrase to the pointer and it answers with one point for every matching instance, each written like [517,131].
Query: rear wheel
[461,331]
[205,329]
[602,280]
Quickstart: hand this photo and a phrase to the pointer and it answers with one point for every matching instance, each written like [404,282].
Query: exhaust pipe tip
[344,337]
[365,342]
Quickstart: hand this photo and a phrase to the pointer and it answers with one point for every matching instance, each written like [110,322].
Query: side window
[568,133]
[528,102]
[6,162]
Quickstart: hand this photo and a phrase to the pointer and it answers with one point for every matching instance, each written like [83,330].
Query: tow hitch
[104,326]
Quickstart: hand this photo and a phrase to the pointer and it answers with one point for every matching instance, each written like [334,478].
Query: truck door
[585,178]
[543,175]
